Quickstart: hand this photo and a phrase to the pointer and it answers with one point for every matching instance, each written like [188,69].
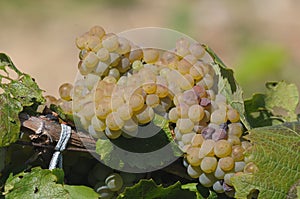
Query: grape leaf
[276,106]
[147,189]
[43,183]
[228,86]
[276,153]
[17,92]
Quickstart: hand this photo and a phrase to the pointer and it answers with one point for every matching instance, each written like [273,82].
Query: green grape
[125,112]
[91,60]
[187,138]
[185,125]
[145,115]
[207,148]
[197,50]
[235,129]
[197,140]
[218,187]
[207,179]
[182,110]
[65,91]
[209,164]
[152,100]
[193,156]
[113,121]
[178,134]
[218,117]
[196,113]
[234,140]
[233,115]
[250,168]
[124,46]
[136,102]
[227,178]
[114,182]
[237,153]
[194,172]
[103,54]
[219,173]
[222,148]
[97,31]
[226,163]
[239,166]
[137,65]
[104,192]
[110,42]
[150,55]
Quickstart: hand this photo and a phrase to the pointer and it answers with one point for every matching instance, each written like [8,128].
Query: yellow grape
[114,122]
[150,55]
[196,113]
[145,115]
[185,125]
[222,148]
[65,91]
[152,100]
[136,102]
[197,140]
[237,153]
[97,31]
[209,164]
[125,112]
[207,148]
[192,156]
[226,163]
[172,115]
[233,115]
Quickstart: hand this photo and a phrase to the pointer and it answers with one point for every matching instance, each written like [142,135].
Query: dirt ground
[39,35]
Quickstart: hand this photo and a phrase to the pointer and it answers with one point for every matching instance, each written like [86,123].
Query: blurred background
[258,38]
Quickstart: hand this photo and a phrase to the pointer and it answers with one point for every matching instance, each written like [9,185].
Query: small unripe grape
[103,54]
[192,156]
[149,87]
[93,43]
[137,65]
[110,42]
[219,173]
[222,148]
[50,100]
[239,166]
[101,68]
[196,73]
[135,54]
[114,182]
[194,171]
[250,168]
[65,91]
[246,145]
[233,115]
[237,153]
[218,187]
[104,192]
[209,164]
[207,179]
[172,115]
[182,47]
[207,148]
[226,163]
[161,91]
[196,113]
[235,129]
[113,134]
[97,31]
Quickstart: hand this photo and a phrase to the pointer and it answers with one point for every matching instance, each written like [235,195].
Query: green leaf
[276,106]
[276,153]
[18,92]
[43,183]
[147,189]
[80,192]
[36,184]
[228,86]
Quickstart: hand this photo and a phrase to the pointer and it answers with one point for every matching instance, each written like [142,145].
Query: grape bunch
[123,86]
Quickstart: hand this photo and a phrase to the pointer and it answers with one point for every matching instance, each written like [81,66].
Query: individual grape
[218,187]
[101,68]
[112,134]
[185,162]
[233,115]
[194,172]
[226,163]
[250,168]
[207,132]
[130,128]
[207,148]
[182,110]
[192,156]
[50,100]
[178,134]
[91,60]
[219,134]
[124,46]
[211,94]
[104,192]
[152,100]
[94,133]
[196,113]
[239,166]
[123,65]
[97,31]
[137,65]
[209,164]
[81,41]
[182,47]
[189,97]
[218,117]
[196,73]
[136,102]
[206,117]
[184,66]
[197,140]
[190,59]
[207,179]
[65,91]
[110,42]
[93,43]
[135,54]
[237,153]
[145,116]
[125,112]
[150,55]
[219,173]
[234,140]
[187,138]
[235,129]
[186,82]
[103,54]
[246,145]
[185,125]
[227,178]
[150,87]
[222,148]
[102,110]
[172,115]
[114,182]
[114,122]
[197,50]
